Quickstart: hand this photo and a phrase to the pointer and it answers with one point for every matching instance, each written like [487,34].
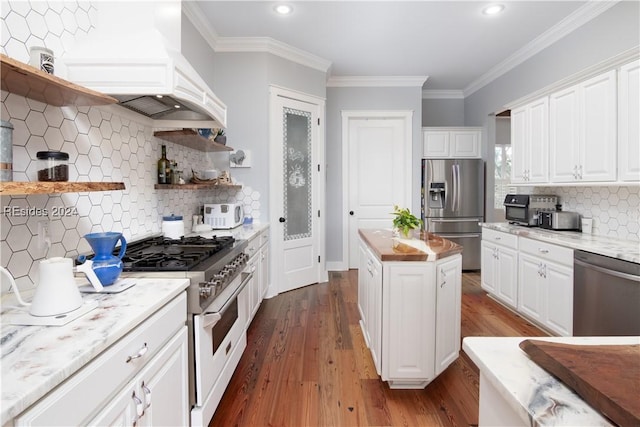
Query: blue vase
[106,265]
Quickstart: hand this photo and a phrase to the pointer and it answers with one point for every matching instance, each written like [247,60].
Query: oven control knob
[205,291]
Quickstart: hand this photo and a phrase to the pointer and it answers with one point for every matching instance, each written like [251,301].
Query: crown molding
[376,81]
[609,64]
[275,47]
[569,24]
[442,94]
[195,14]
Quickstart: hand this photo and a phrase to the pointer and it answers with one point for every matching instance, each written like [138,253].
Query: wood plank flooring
[306,364]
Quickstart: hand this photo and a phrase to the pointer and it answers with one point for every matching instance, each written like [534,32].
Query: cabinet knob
[351,213]
[282,219]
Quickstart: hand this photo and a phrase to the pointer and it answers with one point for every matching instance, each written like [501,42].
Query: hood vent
[133,54]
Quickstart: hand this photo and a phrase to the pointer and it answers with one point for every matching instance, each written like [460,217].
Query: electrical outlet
[44,238]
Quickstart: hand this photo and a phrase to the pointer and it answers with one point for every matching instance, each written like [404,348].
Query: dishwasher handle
[607,271]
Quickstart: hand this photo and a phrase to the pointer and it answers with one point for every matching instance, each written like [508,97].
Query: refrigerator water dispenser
[436,195]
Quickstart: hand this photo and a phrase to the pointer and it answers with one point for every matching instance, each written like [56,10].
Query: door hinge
[318,258]
[318,213]
[318,167]
[318,121]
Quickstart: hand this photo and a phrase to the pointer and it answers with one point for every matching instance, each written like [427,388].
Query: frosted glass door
[297,178]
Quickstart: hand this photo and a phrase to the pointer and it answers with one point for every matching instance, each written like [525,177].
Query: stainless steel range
[216,306]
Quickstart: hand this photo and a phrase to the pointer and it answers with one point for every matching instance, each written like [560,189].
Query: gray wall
[613,32]
[443,112]
[241,81]
[359,98]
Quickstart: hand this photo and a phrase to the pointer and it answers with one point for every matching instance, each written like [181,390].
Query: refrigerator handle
[459,191]
[456,190]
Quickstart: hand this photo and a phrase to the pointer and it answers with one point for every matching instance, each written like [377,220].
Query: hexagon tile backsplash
[104,144]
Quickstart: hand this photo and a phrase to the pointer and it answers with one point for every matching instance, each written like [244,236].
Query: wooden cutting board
[607,377]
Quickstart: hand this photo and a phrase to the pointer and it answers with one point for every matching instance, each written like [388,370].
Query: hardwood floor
[306,364]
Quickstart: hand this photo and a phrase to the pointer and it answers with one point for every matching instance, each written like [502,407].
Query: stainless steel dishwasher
[606,296]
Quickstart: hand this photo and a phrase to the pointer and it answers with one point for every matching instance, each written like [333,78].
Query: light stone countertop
[626,250]
[242,232]
[35,359]
[534,394]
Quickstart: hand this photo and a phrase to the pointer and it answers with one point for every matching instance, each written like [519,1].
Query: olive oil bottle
[163,166]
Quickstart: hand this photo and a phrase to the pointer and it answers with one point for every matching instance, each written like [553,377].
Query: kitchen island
[515,391]
[84,361]
[409,299]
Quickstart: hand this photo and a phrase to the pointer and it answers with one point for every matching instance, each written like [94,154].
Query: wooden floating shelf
[28,81]
[40,187]
[197,187]
[190,138]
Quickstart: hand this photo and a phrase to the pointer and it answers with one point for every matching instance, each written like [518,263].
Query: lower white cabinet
[264,263]
[258,264]
[532,277]
[140,380]
[499,266]
[370,303]
[410,316]
[448,311]
[545,280]
[150,398]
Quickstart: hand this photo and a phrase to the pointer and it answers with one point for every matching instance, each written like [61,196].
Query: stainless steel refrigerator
[453,203]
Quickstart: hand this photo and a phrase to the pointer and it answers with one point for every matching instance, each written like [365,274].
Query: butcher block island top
[423,247]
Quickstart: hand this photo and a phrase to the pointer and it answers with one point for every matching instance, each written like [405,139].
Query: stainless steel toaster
[559,220]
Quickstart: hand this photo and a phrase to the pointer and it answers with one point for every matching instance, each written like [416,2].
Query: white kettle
[57,292]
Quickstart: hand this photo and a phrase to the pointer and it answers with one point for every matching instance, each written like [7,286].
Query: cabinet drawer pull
[498,238]
[139,354]
[543,251]
[228,349]
[139,406]
[147,395]
[443,283]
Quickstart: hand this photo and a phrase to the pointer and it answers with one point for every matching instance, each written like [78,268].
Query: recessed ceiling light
[283,9]
[493,9]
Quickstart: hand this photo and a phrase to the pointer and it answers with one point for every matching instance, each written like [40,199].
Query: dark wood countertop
[389,248]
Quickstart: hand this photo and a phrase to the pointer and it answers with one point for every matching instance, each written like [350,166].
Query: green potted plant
[404,221]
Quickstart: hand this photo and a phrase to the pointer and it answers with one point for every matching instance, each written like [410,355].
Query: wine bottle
[163,166]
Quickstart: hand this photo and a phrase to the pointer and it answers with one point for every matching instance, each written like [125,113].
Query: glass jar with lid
[53,166]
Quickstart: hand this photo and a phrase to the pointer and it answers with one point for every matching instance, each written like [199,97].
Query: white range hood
[133,54]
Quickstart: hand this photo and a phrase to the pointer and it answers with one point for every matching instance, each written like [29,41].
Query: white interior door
[297,177]
[377,170]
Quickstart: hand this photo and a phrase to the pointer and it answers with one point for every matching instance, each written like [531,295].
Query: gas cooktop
[162,254]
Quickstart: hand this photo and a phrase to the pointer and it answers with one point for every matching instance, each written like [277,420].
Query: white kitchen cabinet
[264,262]
[408,324]
[545,279]
[150,399]
[530,142]
[258,264]
[499,275]
[255,296]
[370,302]
[451,142]
[629,122]
[448,296]
[148,365]
[582,131]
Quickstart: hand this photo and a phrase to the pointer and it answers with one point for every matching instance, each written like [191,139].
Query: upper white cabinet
[530,142]
[451,142]
[582,131]
[629,122]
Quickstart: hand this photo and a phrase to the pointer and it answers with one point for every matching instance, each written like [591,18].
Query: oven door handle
[210,319]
